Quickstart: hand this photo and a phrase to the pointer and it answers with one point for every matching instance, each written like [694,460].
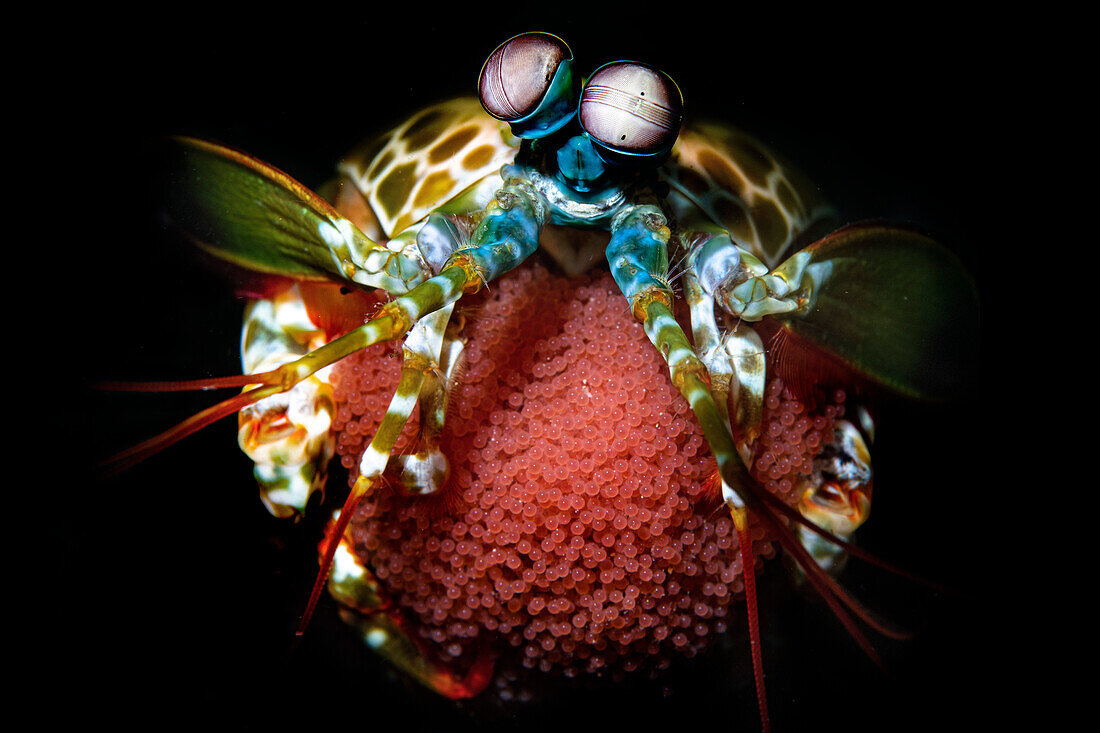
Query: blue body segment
[638,251]
[510,229]
[509,233]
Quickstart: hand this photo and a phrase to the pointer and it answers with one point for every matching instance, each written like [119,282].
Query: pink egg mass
[581,522]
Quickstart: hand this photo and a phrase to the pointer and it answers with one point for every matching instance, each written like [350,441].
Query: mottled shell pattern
[455,148]
[429,160]
[764,203]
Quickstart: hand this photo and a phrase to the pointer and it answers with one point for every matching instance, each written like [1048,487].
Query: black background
[179,593]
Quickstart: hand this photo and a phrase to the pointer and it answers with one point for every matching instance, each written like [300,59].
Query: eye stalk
[528,82]
[632,112]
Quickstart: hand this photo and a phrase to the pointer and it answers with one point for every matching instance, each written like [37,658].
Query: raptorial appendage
[744,287]
[286,435]
[836,494]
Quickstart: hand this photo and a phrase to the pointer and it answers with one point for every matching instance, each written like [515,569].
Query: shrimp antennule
[185,385]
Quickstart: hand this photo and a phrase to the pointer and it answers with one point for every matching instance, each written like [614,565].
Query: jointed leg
[421,355]
[735,361]
[690,377]
[639,241]
[426,470]
[507,235]
[638,257]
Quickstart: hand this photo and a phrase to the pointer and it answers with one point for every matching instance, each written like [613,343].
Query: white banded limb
[287,435]
[741,284]
[735,362]
[421,355]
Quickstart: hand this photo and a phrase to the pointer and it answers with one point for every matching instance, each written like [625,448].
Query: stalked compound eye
[528,82]
[631,109]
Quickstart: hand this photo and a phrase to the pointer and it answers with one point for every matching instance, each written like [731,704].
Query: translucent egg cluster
[582,523]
